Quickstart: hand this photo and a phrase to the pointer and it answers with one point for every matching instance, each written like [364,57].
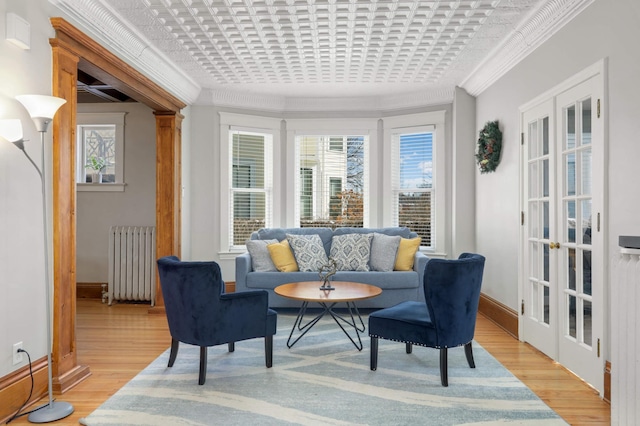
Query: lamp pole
[42,109]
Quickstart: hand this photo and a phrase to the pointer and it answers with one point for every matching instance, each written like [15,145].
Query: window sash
[251,184]
[413,181]
[326,164]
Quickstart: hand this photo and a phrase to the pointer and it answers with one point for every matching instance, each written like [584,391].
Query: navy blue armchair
[446,320]
[200,313]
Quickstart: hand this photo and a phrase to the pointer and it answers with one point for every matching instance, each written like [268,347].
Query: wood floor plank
[118,341]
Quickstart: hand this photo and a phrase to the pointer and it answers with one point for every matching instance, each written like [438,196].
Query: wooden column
[66,372]
[168,190]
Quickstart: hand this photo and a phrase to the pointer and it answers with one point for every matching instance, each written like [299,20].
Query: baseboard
[15,387]
[89,290]
[505,317]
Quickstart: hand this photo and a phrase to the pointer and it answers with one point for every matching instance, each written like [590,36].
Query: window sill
[100,187]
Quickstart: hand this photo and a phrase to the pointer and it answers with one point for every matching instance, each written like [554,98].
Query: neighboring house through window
[331,190]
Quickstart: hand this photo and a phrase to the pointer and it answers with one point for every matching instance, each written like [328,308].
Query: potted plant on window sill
[97,166]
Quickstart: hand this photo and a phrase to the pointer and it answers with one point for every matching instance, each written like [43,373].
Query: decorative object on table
[97,165]
[489,147]
[42,110]
[326,272]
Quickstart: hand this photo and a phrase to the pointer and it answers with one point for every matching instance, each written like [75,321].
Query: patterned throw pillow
[383,252]
[260,257]
[309,252]
[351,251]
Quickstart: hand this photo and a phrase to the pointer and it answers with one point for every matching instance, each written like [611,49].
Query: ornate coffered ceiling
[311,54]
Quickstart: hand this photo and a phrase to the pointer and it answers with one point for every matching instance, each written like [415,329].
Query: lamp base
[51,412]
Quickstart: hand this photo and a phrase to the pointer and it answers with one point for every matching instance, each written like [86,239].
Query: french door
[562,311]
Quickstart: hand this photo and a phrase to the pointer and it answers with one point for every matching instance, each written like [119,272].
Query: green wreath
[489,146]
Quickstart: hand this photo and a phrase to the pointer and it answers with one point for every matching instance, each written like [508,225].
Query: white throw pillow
[383,252]
[308,251]
[351,251]
[260,257]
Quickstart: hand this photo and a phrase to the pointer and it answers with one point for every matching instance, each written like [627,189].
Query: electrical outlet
[17,356]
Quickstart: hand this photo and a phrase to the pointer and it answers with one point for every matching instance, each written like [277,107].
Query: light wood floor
[119,341]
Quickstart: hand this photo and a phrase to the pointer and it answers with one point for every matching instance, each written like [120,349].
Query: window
[251,183]
[100,139]
[247,175]
[415,180]
[331,188]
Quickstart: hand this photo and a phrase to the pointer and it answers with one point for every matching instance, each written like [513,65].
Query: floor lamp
[41,109]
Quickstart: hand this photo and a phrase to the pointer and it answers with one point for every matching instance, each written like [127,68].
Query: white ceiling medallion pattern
[307,55]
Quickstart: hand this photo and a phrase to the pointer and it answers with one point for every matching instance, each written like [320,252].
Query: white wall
[602,30]
[22,300]
[97,211]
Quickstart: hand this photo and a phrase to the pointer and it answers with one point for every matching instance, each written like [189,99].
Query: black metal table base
[349,321]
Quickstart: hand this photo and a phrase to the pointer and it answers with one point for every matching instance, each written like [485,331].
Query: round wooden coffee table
[343,291]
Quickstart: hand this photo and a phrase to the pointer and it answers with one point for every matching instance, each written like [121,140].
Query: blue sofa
[397,286]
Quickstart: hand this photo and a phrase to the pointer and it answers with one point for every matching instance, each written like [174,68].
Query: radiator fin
[132,269]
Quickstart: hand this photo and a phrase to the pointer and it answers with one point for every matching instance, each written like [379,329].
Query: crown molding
[104,25]
[235,99]
[540,25]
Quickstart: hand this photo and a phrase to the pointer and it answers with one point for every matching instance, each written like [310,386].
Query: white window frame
[97,119]
[230,122]
[432,122]
[332,127]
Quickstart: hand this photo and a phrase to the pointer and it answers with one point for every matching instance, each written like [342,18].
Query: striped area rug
[323,380]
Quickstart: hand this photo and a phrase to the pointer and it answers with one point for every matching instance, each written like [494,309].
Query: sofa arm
[243,267]
[419,265]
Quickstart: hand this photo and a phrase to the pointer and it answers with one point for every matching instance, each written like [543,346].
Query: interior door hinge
[522,138]
[598,348]
[598,108]
[522,307]
[521,218]
[598,222]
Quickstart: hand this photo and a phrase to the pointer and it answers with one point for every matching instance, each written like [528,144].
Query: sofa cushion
[402,231]
[351,251]
[282,256]
[383,252]
[260,256]
[406,253]
[308,251]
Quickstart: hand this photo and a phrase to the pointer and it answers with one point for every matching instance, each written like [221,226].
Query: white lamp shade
[11,129]
[41,106]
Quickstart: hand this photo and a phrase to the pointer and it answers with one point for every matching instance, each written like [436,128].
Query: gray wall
[97,211]
[601,31]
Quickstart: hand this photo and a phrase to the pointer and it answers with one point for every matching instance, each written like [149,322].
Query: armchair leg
[444,375]
[174,351]
[409,347]
[374,354]
[268,350]
[203,365]
[232,346]
[468,351]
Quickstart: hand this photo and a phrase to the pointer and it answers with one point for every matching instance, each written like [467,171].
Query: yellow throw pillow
[406,253]
[282,256]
